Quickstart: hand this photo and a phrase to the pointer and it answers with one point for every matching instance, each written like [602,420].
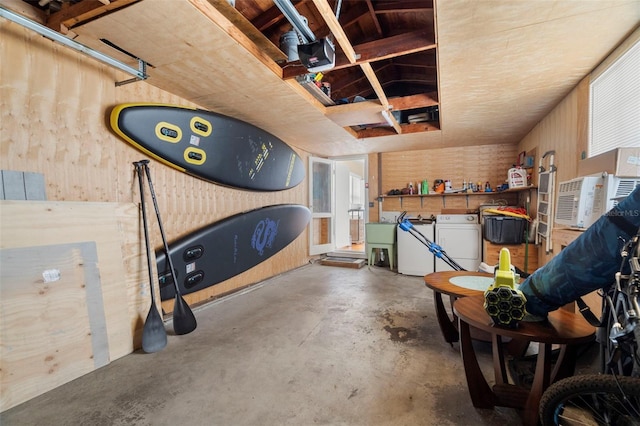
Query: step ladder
[546,196]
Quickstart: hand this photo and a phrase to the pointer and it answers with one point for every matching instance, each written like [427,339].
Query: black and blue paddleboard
[210,146]
[229,247]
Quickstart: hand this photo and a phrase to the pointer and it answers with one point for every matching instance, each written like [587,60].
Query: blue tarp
[587,264]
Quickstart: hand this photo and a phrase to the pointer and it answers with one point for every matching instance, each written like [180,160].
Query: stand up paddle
[184,321]
[154,336]
[210,146]
[231,246]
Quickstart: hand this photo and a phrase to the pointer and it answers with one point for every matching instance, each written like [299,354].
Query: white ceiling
[502,66]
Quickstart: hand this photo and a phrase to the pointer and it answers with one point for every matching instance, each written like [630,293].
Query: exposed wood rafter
[376,22]
[404,6]
[336,29]
[391,47]
[212,10]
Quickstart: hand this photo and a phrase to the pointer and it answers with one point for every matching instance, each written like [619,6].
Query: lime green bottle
[425,187]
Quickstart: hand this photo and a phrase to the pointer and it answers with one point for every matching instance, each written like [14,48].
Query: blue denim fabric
[587,264]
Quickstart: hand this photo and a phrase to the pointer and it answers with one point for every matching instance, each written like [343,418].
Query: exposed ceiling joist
[336,29]
[268,18]
[212,10]
[398,45]
[376,22]
[519,57]
[391,47]
[405,6]
[367,69]
[420,100]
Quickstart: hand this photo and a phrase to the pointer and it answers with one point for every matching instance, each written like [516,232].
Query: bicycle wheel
[592,399]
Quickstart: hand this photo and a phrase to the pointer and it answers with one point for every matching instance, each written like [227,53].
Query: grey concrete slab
[317,345]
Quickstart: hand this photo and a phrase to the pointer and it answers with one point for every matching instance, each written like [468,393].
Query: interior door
[321,197]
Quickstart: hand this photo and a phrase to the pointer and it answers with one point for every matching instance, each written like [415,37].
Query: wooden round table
[562,327]
[455,285]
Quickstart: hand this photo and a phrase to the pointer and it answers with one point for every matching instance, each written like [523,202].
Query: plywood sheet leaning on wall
[52,319]
[115,229]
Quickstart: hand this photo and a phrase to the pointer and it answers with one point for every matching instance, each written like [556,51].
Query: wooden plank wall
[54,122]
[374,186]
[565,131]
[488,163]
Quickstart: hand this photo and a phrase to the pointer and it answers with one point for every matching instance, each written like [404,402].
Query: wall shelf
[456,194]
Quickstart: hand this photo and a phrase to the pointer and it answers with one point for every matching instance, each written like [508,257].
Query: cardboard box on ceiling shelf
[623,162]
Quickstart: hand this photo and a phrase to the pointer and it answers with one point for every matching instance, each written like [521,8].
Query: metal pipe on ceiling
[298,22]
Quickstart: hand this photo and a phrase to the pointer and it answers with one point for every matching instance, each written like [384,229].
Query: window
[615,104]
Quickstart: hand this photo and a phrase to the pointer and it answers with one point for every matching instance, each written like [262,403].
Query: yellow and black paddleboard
[229,247]
[209,146]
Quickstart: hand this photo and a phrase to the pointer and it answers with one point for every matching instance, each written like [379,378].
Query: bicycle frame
[621,315]
[611,398]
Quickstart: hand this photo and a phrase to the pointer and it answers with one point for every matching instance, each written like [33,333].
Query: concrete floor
[318,345]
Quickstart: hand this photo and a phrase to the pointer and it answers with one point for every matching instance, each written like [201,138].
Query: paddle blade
[154,336]
[184,322]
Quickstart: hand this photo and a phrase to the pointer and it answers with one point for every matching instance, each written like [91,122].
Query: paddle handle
[139,166]
[183,319]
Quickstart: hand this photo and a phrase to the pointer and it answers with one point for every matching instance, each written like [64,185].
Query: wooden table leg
[517,347]
[447,327]
[541,381]
[565,364]
[482,395]
[499,367]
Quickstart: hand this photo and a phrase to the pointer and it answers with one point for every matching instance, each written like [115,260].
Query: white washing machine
[414,258]
[460,236]
[389,216]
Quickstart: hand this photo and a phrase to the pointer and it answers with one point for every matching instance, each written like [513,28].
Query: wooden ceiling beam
[391,47]
[355,113]
[404,6]
[230,15]
[222,14]
[336,29]
[406,128]
[346,82]
[421,100]
[376,22]
[387,48]
[382,97]
[349,114]
[357,86]
[424,59]
[267,19]
[75,14]
[375,83]
[351,15]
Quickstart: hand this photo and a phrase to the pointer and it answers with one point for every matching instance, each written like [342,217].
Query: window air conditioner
[583,200]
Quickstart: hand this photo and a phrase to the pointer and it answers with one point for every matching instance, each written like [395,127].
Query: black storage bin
[504,229]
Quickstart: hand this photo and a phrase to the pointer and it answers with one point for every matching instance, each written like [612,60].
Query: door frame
[317,249]
[365,177]
[317,215]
